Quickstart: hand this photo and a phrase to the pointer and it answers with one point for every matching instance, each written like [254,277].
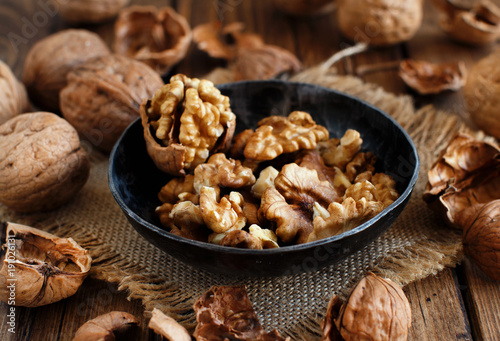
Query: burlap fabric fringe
[416,246]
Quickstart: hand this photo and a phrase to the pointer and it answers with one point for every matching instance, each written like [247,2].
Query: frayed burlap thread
[418,245]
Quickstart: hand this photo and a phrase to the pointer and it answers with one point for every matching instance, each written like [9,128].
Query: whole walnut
[89,11]
[482,94]
[50,59]
[42,164]
[13,98]
[103,97]
[379,22]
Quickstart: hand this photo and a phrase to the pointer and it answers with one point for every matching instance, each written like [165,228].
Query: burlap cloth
[416,246]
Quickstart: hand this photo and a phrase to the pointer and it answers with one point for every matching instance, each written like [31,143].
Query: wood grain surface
[457,304]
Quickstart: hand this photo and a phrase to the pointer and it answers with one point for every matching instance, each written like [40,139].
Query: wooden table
[457,304]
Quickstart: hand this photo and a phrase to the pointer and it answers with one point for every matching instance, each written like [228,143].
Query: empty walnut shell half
[157,37]
[185,122]
[465,174]
[89,11]
[13,98]
[103,97]
[104,327]
[432,78]
[50,59]
[226,313]
[42,164]
[376,309]
[39,268]
[379,22]
[476,24]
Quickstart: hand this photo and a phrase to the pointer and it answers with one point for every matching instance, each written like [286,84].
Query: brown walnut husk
[249,57]
[89,11]
[482,94]
[376,309]
[50,59]
[481,237]
[157,37]
[432,78]
[43,267]
[42,164]
[226,313]
[185,122]
[103,97]
[104,327]
[379,22]
[13,97]
[466,173]
[476,23]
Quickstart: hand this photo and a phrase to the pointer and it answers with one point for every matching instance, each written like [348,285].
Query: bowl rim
[282,249]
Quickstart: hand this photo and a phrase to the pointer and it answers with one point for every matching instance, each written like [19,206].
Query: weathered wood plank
[482,298]
[437,308]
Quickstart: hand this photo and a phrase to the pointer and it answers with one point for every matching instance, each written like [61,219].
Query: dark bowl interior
[135,182]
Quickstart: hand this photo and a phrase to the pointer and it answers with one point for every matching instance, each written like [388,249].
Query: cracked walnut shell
[13,97]
[104,327]
[45,268]
[185,122]
[376,309]
[158,37]
[225,312]
[103,97]
[42,164]
[50,60]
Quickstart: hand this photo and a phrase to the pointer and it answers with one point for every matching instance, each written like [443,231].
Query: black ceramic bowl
[135,182]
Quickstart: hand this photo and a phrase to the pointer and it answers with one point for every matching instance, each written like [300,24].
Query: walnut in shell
[379,22]
[225,312]
[103,97]
[482,94]
[44,268]
[50,59]
[13,98]
[481,237]
[89,11]
[157,37]
[185,122]
[376,309]
[42,165]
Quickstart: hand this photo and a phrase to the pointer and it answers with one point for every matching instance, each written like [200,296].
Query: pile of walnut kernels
[286,182]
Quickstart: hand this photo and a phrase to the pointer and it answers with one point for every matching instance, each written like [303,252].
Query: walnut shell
[50,59]
[103,327]
[89,11]
[481,238]
[376,309]
[379,22]
[103,97]
[13,98]
[42,164]
[40,267]
[157,37]
[475,23]
[482,94]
